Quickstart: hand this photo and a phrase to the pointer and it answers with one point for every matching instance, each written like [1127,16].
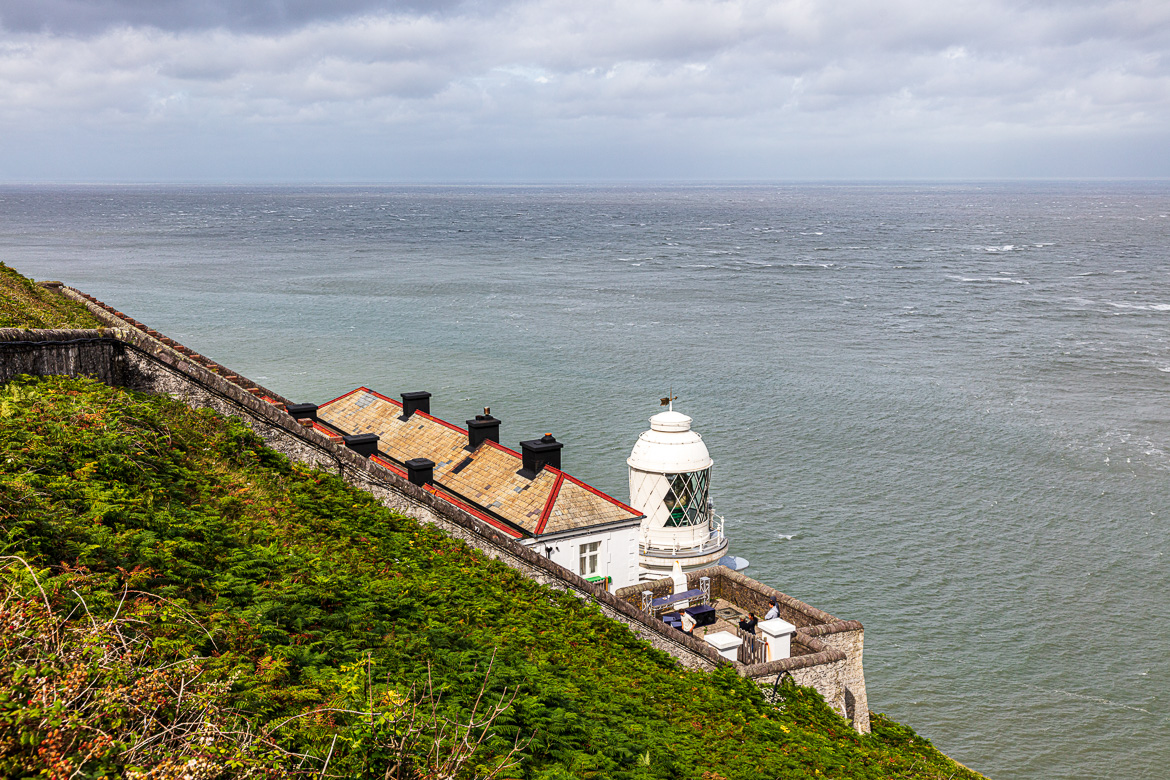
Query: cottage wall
[617,554]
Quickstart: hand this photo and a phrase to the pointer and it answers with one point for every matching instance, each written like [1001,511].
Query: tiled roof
[486,480]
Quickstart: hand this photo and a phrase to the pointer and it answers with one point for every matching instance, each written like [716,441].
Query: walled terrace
[826,651]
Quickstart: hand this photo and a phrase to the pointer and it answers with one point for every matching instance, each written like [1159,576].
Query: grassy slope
[298,577]
[23,304]
[314,595]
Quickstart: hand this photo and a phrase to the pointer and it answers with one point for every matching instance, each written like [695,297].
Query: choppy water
[940,410]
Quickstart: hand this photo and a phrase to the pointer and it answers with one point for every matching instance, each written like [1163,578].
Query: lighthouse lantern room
[670,480]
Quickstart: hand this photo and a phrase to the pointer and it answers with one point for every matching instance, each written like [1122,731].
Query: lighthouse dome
[670,446]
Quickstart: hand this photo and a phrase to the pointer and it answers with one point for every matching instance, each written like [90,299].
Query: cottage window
[589,558]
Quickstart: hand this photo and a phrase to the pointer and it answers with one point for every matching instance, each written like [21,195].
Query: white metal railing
[714,541]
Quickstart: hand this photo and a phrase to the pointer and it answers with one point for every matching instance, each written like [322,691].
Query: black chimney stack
[302,411]
[482,428]
[538,453]
[415,402]
[420,471]
[364,444]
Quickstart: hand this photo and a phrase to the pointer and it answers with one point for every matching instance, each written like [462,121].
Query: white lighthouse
[670,479]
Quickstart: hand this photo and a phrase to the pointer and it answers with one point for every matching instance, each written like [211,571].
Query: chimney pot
[420,471]
[415,402]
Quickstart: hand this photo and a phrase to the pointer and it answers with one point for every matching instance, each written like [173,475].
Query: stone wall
[99,354]
[848,637]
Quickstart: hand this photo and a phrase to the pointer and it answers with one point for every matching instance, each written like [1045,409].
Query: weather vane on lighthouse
[668,400]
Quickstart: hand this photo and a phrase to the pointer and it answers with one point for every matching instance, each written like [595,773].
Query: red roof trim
[338,398]
[379,395]
[321,429]
[548,505]
[599,494]
[512,532]
[362,389]
[388,465]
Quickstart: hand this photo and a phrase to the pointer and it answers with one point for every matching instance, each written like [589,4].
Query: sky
[564,90]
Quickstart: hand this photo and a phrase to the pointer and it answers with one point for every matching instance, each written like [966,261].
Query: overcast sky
[540,90]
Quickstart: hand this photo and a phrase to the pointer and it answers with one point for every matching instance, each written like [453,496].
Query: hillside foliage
[24,304]
[315,618]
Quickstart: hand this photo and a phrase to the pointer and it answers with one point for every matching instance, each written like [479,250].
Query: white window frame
[588,554]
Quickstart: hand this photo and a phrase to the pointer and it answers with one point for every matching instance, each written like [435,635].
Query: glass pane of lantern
[686,499]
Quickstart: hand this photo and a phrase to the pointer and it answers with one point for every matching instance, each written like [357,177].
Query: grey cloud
[763,75]
[92,16]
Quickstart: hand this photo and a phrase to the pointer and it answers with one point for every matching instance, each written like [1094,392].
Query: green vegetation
[180,601]
[281,592]
[24,304]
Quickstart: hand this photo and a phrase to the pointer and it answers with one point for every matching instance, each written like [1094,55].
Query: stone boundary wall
[834,666]
[95,353]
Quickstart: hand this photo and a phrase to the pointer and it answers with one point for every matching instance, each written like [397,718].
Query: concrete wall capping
[128,354]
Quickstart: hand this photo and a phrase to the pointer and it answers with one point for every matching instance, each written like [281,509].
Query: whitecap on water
[1140,306]
[992,279]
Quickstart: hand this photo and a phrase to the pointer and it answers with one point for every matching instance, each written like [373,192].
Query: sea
[941,409]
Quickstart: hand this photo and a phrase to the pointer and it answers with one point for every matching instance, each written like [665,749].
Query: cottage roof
[487,479]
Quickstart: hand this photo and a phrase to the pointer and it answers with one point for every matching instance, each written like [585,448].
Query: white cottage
[524,495]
